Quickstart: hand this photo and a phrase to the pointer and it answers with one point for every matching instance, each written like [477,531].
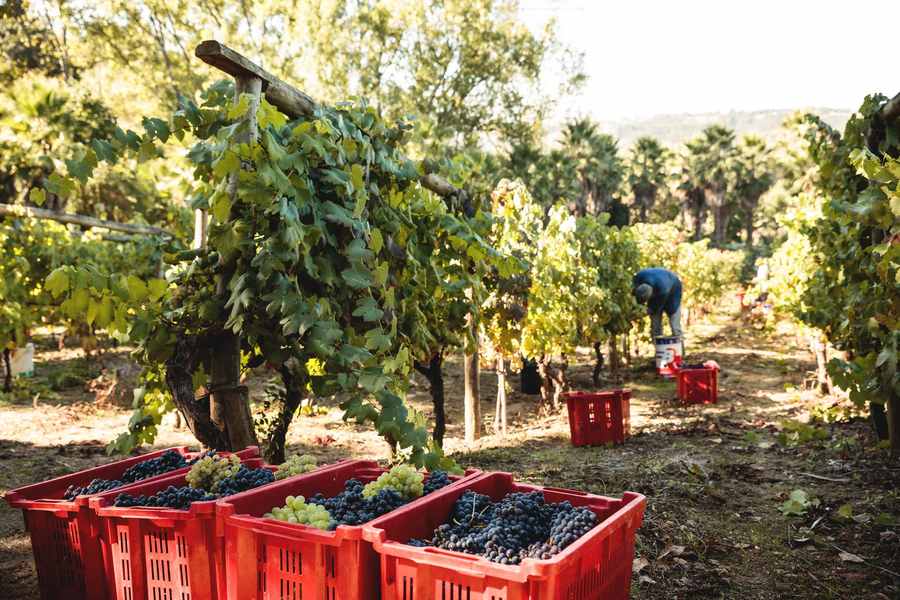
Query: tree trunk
[893,415]
[500,412]
[275,445]
[598,362]
[546,383]
[434,373]
[721,217]
[614,362]
[553,383]
[820,351]
[748,230]
[7,363]
[472,401]
[626,351]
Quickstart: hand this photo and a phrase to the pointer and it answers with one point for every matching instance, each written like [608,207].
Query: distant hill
[675,129]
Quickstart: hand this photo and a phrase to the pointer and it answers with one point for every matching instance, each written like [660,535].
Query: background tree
[597,164]
[713,154]
[647,173]
[754,176]
[690,185]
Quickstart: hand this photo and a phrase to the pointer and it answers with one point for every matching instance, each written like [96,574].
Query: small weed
[798,503]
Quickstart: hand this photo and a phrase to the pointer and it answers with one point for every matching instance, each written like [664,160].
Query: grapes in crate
[296,510]
[359,504]
[208,472]
[244,479]
[164,463]
[172,497]
[521,525]
[404,479]
[182,497]
[296,465]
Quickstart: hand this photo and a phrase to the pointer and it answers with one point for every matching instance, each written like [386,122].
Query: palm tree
[753,177]
[713,167]
[595,158]
[647,173]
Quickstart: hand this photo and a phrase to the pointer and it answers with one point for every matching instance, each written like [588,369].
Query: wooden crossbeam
[30,212]
[891,110]
[288,99]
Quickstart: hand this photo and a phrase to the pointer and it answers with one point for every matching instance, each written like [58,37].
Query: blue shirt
[666,290]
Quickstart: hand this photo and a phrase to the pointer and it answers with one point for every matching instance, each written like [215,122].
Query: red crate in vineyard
[155,553]
[698,384]
[275,560]
[595,567]
[598,418]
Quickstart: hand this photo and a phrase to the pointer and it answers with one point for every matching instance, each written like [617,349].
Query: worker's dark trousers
[656,323]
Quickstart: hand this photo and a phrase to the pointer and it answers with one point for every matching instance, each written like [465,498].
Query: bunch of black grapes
[171,497]
[521,525]
[245,479]
[182,497]
[164,463]
[351,508]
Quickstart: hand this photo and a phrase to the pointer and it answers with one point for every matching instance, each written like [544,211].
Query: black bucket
[529,378]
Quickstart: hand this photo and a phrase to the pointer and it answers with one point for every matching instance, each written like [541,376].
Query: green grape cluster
[405,479]
[209,472]
[296,510]
[295,465]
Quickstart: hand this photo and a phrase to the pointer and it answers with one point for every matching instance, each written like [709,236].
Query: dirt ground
[715,476]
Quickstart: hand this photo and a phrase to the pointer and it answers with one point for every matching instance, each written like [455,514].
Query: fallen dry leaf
[670,549]
[638,564]
[848,557]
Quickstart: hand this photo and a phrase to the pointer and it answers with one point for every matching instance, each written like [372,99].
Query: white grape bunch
[404,479]
[209,472]
[295,465]
[296,510]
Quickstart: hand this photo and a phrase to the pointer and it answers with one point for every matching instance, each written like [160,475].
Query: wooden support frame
[29,212]
[288,99]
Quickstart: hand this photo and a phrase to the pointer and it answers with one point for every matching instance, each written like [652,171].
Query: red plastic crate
[162,553]
[273,560]
[595,567]
[599,418]
[699,385]
[64,533]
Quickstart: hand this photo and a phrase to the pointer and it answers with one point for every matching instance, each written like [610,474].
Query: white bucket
[667,348]
[22,361]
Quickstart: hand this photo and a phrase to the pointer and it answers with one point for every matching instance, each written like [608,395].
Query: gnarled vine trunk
[275,444]
[180,368]
[7,364]
[553,383]
[598,362]
[434,373]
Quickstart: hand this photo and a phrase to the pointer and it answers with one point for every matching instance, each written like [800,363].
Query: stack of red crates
[65,533]
[599,418]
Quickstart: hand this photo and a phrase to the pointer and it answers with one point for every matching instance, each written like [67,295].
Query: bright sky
[649,57]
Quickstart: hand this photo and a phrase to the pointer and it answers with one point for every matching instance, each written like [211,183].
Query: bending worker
[660,290]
